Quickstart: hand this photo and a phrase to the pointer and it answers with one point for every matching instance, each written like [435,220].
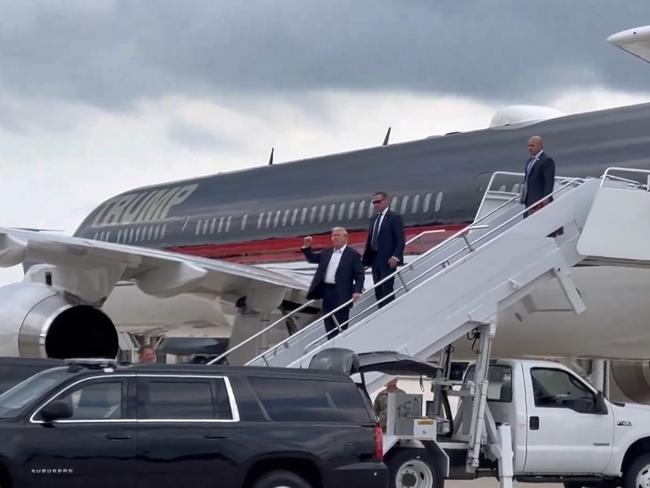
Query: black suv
[94,424]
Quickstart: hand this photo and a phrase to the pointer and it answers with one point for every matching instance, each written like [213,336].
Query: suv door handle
[214,437]
[119,437]
[534,423]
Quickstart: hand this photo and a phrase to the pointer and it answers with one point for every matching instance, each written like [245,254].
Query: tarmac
[493,483]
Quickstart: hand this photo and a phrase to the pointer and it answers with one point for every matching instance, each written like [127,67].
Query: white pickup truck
[560,428]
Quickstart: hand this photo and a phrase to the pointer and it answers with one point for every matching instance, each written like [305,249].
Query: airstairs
[466,280]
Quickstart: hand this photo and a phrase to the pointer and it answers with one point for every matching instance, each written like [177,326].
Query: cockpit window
[13,400]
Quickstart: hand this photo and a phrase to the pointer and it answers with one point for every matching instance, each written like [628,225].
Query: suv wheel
[412,468]
[281,479]
[637,475]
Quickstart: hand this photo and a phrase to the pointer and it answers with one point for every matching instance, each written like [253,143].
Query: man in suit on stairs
[539,180]
[384,246]
[339,277]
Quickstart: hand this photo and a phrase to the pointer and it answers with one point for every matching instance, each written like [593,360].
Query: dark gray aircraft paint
[435,181]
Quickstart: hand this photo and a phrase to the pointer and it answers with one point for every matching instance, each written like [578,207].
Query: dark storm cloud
[111,54]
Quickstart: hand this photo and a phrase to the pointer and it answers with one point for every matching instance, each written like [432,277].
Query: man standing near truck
[381,402]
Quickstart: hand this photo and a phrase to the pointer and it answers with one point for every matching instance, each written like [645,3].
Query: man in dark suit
[384,246]
[539,179]
[539,176]
[339,277]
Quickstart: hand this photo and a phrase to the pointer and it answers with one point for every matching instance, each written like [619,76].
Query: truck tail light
[379,443]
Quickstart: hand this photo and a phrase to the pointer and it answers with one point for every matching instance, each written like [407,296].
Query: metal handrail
[422,234]
[302,307]
[462,233]
[428,270]
[439,247]
[263,331]
[607,176]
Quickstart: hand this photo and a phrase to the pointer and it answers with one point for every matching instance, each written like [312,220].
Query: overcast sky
[99,96]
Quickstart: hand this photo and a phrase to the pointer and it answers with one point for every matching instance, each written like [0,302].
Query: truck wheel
[637,474]
[281,479]
[412,468]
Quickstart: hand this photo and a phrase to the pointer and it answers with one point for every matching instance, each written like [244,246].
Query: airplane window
[362,208]
[285,218]
[164,230]
[131,234]
[206,224]
[156,232]
[213,224]
[427,202]
[321,214]
[416,203]
[220,226]
[228,220]
[405,203]
[294,216]
[269,216]
[394,203]
[303,215]
[277,218]
[260,219]
[341,212]
[438,201]
[198,227]
[351,211]
[312,215]
[119,235]
[330,216]
[137,234]
[243,221]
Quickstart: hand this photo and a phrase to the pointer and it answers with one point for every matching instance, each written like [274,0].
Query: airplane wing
[89,269]
[635,41]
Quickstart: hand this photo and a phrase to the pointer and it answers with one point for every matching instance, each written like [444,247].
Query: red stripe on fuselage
[287,249]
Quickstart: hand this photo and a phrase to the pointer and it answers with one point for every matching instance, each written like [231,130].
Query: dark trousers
[386,288]
[331,300]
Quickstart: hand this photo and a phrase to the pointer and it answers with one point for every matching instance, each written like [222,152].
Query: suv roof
[111,366]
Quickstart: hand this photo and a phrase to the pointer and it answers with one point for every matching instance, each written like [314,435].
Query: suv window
[560,389]
[103,400]
[500,382]
[12,374]
[20,395]
[296,400]
[202,399]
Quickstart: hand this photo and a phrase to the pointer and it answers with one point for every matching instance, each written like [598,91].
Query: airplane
[219,256]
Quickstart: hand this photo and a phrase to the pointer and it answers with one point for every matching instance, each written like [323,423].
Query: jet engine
[39,321]
[632,379]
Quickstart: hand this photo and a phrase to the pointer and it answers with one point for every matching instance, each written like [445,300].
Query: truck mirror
[600,407]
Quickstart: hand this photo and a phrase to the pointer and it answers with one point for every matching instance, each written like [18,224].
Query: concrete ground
[492,483]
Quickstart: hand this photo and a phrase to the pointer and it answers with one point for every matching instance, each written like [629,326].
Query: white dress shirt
[332,266]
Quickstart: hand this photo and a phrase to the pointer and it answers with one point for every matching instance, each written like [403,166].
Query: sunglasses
[375,202]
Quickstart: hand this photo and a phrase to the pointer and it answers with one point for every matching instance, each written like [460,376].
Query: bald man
[539,176]
[339,277]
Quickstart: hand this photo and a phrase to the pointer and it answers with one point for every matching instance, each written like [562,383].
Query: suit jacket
[349,274]
[390,241]
[539,180]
